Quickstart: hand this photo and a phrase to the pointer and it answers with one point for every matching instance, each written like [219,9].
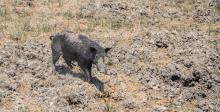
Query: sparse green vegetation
[16,2]
[68,15]
[109,108]
[218,6]
[3,11]
[60,2]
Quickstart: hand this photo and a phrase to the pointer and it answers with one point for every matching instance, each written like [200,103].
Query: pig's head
[99,60]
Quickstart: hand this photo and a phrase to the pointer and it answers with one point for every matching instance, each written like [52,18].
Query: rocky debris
[26,78]
[183,69]
[208,105]
[26,69]
[130,104]
[160,44]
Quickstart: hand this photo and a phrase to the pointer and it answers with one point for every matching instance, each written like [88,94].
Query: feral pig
[79,48]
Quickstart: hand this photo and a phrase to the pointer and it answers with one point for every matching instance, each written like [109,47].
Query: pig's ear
[107,49]
[51,37]
[93,51]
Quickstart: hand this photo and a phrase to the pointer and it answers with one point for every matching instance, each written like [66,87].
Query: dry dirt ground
[165,58]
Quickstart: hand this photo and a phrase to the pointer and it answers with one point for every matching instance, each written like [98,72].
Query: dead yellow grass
[37,20]
[21,22]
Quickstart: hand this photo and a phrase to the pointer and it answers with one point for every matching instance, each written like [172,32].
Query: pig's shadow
[63,70]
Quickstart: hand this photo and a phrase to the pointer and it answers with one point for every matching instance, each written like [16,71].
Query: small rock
[160,44]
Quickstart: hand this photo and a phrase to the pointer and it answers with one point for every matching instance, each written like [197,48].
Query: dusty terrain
[165,58]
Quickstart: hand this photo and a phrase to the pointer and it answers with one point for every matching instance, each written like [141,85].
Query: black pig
[79,48]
